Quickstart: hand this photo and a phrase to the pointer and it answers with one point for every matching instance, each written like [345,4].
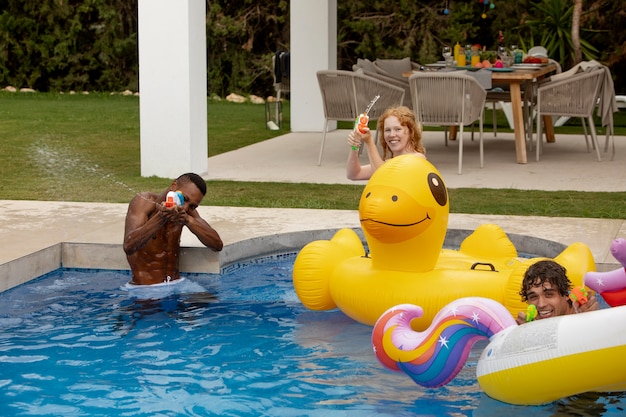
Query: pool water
[77,343]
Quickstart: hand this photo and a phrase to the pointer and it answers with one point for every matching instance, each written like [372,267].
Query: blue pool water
[77,343]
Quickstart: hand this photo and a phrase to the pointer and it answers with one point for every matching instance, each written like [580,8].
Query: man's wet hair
[540,272]
[195,178]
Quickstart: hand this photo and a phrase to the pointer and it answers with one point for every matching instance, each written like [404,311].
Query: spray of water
[63,164]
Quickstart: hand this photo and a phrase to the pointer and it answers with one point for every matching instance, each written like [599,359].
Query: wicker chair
[448,99]
[390,71]
[574,96]
[346,94]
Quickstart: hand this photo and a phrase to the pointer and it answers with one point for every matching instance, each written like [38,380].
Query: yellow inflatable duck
[404,212]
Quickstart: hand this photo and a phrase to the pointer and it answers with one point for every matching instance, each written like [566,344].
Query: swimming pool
[77,343]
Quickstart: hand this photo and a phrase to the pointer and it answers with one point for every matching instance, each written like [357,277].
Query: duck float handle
[363,119]
[174,198]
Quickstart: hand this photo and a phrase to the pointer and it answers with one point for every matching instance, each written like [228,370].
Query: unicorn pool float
[404,216]
[612,284]
[534,363]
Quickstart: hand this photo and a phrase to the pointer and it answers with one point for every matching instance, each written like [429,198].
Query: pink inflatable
[433,358]
[611,285]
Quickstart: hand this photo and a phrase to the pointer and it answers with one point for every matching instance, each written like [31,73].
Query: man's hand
[521,317]
[176,214]
[590,305]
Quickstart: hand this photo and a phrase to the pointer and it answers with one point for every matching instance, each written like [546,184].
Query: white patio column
[313,47]
[173,87]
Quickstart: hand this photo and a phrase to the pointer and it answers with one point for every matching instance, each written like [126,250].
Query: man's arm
[139,226]
[203,230]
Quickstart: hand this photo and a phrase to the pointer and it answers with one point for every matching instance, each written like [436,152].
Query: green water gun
[531,313]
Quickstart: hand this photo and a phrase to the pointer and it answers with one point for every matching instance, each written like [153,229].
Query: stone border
[201,260]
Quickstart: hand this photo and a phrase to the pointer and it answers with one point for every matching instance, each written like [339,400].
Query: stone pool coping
[39,237]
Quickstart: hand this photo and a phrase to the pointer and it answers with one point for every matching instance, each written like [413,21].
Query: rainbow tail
[433,358]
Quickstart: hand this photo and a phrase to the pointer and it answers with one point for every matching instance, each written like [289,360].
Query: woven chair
[448,99]
[574,96]
[346,94]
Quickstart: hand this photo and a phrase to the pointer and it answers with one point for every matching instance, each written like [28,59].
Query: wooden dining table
[515,79]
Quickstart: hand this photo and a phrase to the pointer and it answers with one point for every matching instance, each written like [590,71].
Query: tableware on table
[468,68]
[446,51]
[493,69]
[461,60]
[475,58]
[436,65]
[538,51]
[507,61]
[528,66]
[517,54]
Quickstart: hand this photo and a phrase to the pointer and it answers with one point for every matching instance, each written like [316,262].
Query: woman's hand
[355,138]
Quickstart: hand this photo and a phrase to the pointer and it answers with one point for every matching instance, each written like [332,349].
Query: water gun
[363,119]
[531,313]
[579,294]
[174,198]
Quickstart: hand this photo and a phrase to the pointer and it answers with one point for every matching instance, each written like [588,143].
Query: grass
[85,148]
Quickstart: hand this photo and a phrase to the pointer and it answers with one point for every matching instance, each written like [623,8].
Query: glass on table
[502,52]
[517,54]
[446,51]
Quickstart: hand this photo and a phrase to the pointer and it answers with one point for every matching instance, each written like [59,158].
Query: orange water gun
[580,294]
[363,119]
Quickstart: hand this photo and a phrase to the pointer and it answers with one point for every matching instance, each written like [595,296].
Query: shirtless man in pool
[152,231]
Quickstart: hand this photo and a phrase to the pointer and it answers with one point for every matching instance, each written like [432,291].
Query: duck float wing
[314,265]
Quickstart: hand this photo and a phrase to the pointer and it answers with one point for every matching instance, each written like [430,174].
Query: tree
[578,7]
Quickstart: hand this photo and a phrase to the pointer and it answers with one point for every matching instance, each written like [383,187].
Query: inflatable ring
[569,354]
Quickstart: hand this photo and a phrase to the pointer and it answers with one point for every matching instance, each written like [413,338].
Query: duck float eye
[438,189]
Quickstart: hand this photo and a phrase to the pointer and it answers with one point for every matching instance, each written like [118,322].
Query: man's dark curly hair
[195,178]
[543,271]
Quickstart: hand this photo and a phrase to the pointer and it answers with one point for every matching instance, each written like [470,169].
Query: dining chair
[346,94]
[449,99]
[573,96]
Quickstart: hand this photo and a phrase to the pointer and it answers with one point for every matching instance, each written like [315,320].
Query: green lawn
[86,148]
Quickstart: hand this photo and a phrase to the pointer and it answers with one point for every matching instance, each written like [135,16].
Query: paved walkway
[564,165]
[41,236]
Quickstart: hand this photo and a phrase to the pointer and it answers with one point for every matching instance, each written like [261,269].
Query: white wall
[173,87]
[313,47]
